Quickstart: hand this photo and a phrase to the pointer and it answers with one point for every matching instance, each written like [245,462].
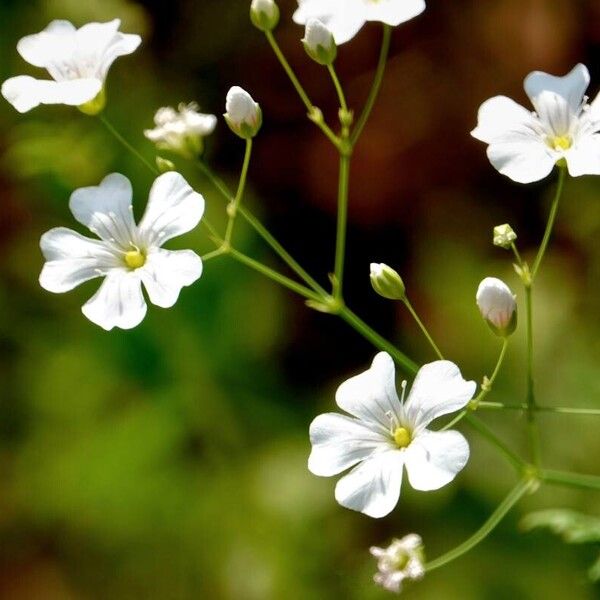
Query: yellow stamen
[135,259]
[561,142]
[402,437]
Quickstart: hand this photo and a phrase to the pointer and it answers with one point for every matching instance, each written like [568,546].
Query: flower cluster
[403,560]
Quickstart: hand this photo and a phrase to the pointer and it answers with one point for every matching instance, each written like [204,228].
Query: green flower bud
[386,282]
[164,165]
[264,14]
[504,236]
[243,115]
[319,43]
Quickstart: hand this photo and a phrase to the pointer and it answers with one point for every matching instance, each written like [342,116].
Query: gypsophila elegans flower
[319,43]
[181,131]
[126,255]
[382,435]
[242,114]
[403,560]
[78,60]
[498,306]
[564,128]
[345,18]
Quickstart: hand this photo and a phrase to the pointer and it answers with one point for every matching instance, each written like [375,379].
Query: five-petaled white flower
[564,128]
[126,254]
[181,131]
[78,61]
[385,434]
[345,18]
[401,560]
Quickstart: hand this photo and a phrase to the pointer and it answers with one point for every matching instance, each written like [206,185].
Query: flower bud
[402,561]
[319,42]
[497,305]
[386,282]
[504,236]
[164,165]
[243,115]
[264,14]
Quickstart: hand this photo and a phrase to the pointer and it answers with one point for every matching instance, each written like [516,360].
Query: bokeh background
[169,462]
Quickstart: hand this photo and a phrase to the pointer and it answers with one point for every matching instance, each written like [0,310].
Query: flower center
[560,142]
[135,259]
[402,437]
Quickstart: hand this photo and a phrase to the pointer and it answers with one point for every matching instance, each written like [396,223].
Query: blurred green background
[169,462]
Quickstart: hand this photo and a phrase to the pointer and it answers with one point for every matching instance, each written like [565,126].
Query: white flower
[78,61]
[126,254]
[181,131]
[497,305]
[345,18]
[319,43]
[402,559]
[242,114]
[385,434]
[564,128]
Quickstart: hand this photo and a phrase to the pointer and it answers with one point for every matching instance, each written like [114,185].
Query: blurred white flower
[385,434]
[319,43]
[401,560]
[78,61]
[126,254]
[181,131]
[564,128]
[242,114]
[345,18]
[497,305]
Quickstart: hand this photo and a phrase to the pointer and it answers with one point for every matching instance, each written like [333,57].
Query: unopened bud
[164,165]
[497,305]
[386,282]
[504,236]
[243,115]
[264,14]
[319,43]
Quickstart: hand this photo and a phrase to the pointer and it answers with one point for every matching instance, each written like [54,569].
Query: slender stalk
[562,174]
[503,509]
[214,254]
[127,145]
[234,206]
[377,340]
[338,87]
[590,482]
[534,435]
[491,437]
[377,81]
[273,275]
[422,327]
[262,231]
[342,225]
[564,410]
[517,254]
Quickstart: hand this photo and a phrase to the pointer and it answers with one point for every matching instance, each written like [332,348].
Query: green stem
[491,437]
[127,145]
[377,340]
[342,225]
[262,231]
[565,410]
[517,254]
[338,88]
[562,174]
[422,327]
[273,275]
[213,254]
[503,509]
[234,206]
[366,113]
[591,482]
[534,435]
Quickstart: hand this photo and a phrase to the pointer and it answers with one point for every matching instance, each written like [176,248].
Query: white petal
[106,209]
[584,157]
[499,115]
[56,43]
[344,18]
[373,487]
[118,303]
[72,259]
[394,12]
[100,44]
[434,458]
[174,208]
[595,110]
[555,114]
[371,396]
[571,87]
[522,155]
[438,389]
[166,272]
[25,92]
[339,442]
